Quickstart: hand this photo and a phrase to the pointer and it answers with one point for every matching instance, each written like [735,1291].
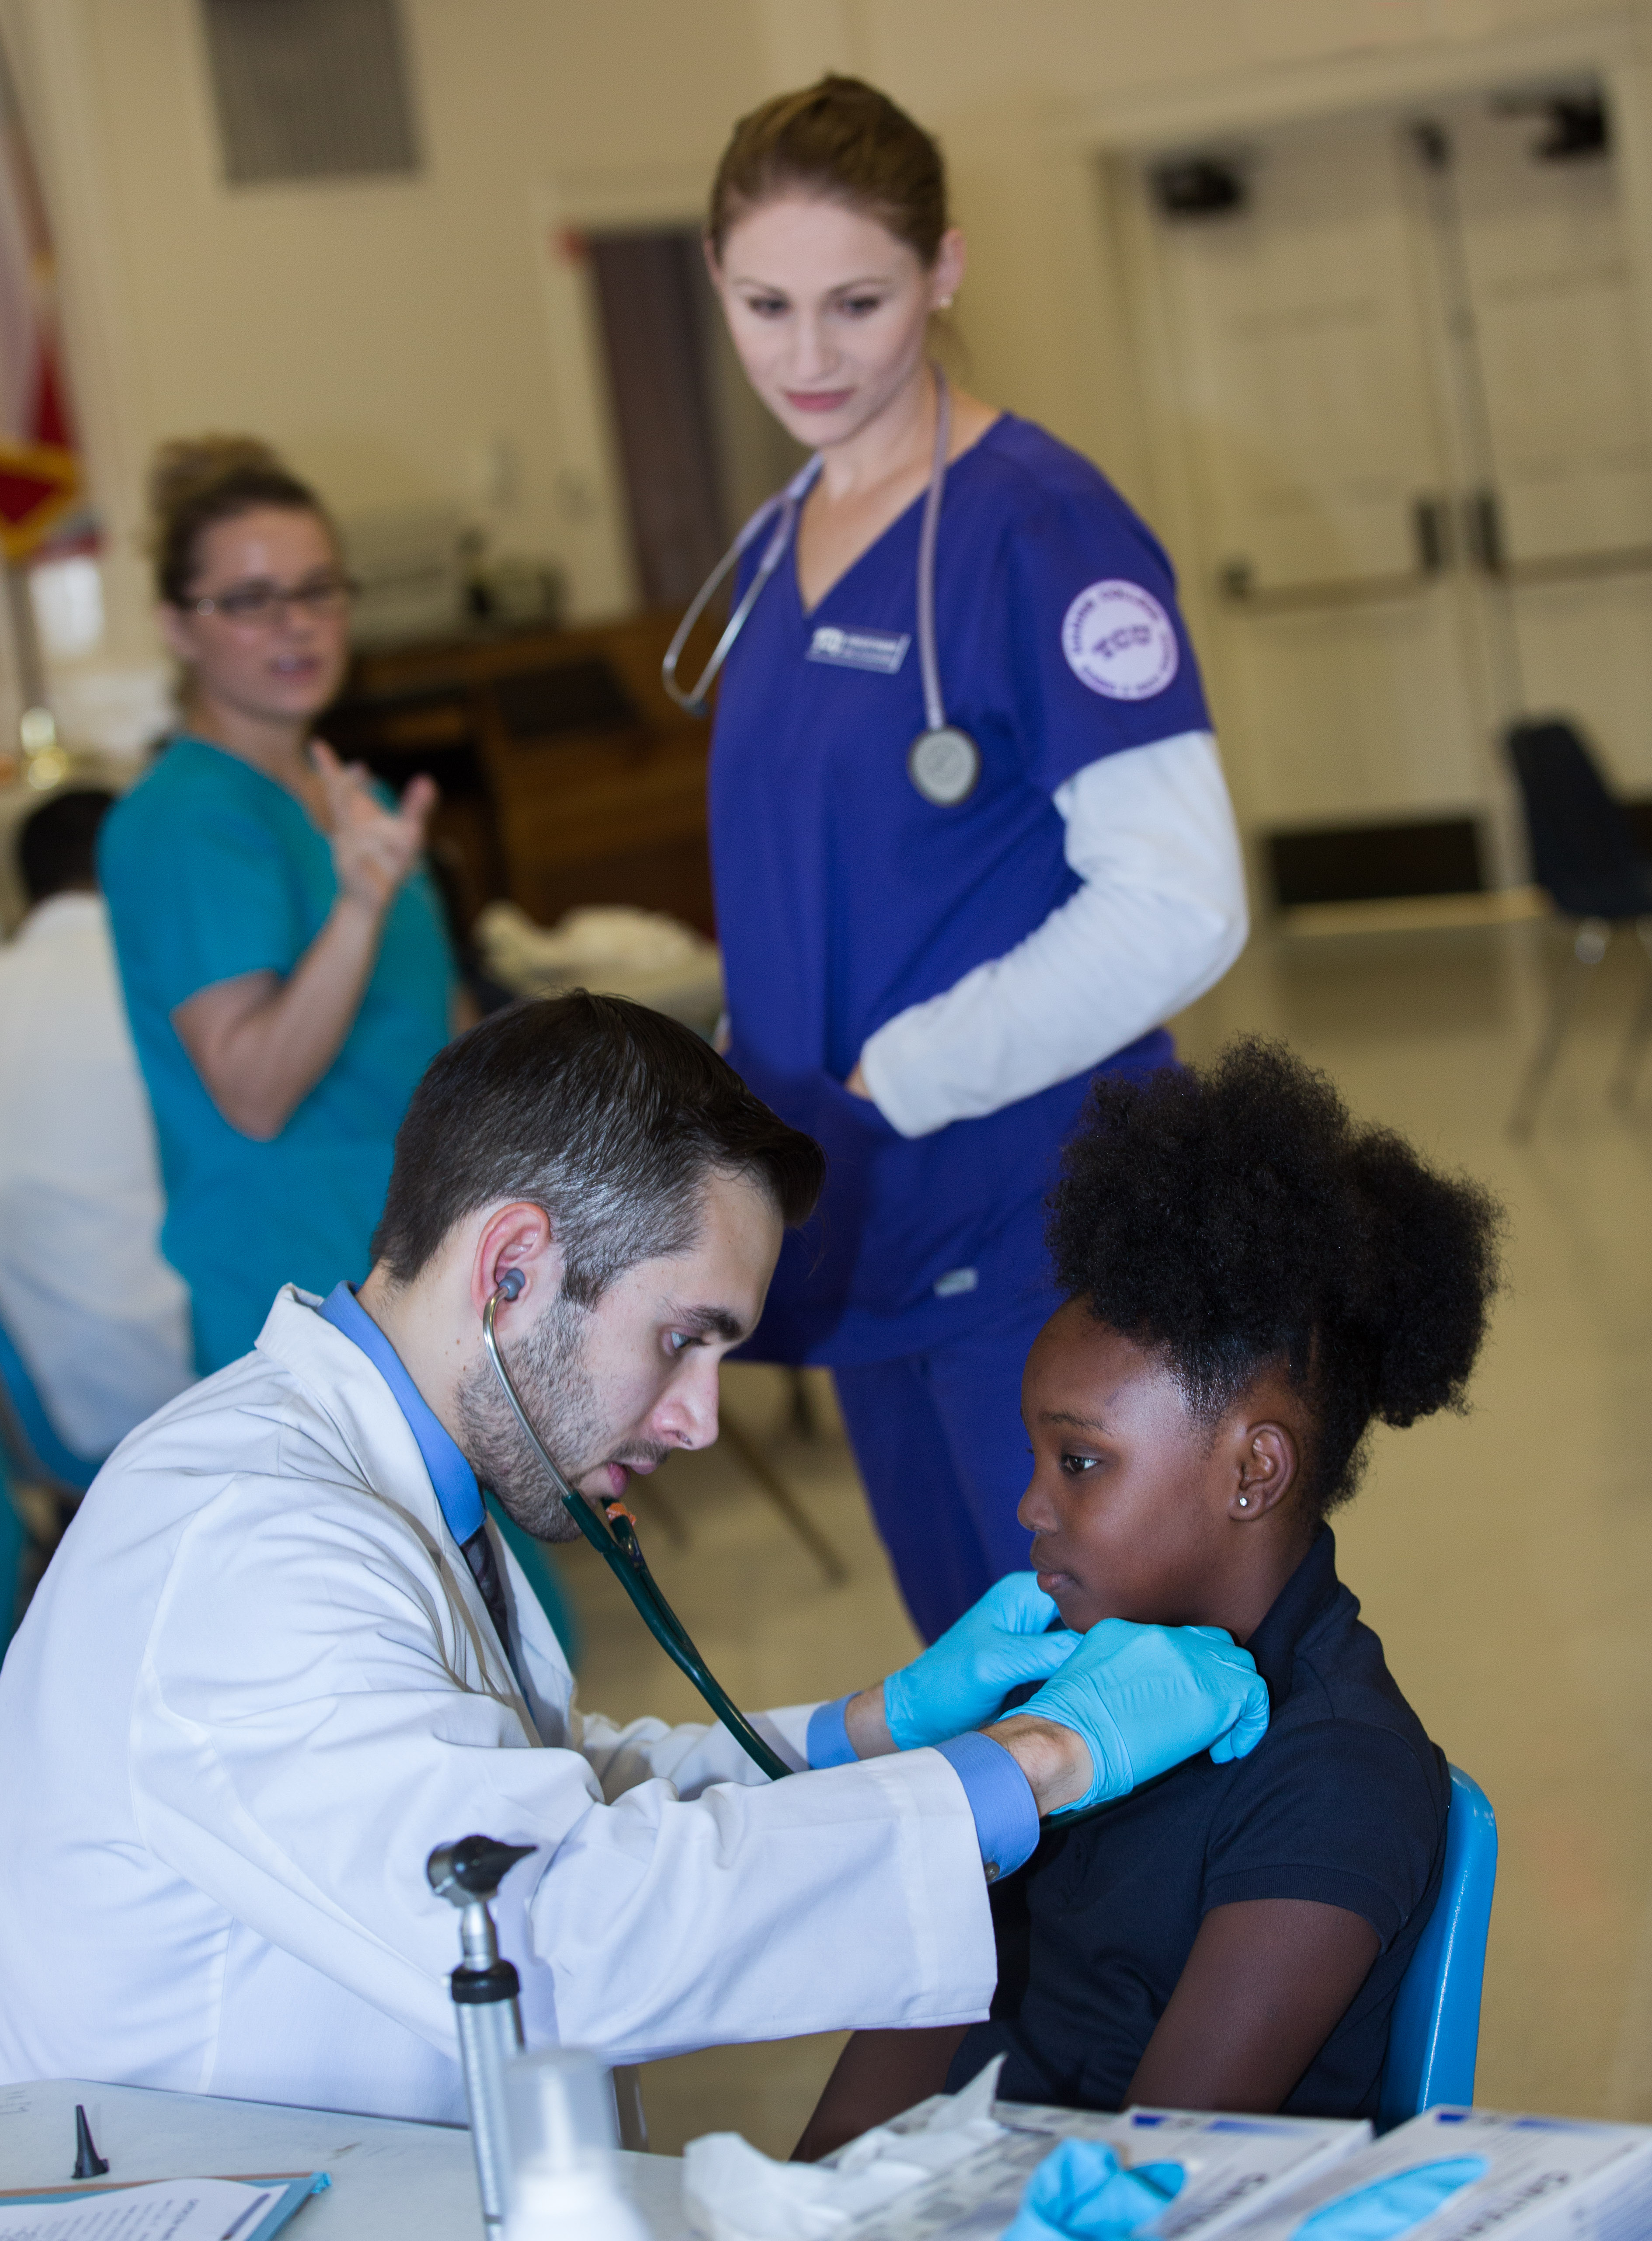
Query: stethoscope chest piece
[944,765]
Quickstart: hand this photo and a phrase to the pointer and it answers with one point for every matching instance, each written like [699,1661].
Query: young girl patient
[1250,1280]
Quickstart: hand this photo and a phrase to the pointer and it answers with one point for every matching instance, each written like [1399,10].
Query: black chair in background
[1583,852]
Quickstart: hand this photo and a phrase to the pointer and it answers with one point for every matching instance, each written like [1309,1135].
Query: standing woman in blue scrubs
[927,981]
[285,965]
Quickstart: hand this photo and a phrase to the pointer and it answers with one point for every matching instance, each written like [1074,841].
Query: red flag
[40,476]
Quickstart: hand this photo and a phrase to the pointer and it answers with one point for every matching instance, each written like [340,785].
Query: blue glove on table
[1080,2194]
[960,1681]
[1145,1698]
[1389,2207]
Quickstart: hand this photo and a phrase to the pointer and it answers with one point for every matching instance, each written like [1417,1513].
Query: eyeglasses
[264,602]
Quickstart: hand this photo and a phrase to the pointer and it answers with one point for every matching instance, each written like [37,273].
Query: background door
[1540,276]
[1404,372]
[698,452]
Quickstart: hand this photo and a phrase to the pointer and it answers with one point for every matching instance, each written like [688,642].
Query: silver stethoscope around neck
[943,762]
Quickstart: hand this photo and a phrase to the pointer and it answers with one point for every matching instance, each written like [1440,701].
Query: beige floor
[1505,1558]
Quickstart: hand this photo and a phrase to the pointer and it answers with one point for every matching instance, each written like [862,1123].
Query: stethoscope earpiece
[510,1284]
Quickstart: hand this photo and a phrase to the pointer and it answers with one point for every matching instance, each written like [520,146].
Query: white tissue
[603,934]
[730,2192]
[612,950]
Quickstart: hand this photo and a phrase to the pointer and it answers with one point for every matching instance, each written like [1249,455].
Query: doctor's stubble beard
[548,1365]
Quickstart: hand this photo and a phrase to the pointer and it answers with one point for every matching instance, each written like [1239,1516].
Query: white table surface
[391,2181]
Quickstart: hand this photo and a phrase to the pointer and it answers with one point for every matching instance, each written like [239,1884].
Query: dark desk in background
[567,774]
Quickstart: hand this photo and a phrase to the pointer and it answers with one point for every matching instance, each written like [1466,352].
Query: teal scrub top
[212,870]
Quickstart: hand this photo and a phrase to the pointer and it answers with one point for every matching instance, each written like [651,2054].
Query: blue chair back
[1433,2037]
[31,1446]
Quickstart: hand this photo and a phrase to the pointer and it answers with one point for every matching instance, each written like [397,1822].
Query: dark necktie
[478,1553]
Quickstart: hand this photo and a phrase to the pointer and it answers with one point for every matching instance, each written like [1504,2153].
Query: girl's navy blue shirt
[1343,1801]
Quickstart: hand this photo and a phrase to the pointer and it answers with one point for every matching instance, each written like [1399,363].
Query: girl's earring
[1244,1502]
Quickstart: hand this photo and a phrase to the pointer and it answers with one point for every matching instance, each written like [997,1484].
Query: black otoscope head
[472,1868]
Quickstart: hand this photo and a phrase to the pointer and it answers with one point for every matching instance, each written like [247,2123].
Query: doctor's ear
[517,1256]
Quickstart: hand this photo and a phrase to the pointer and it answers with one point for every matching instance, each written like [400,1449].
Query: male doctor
[280,1655]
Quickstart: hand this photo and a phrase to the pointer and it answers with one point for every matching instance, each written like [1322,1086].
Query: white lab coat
[256,1686]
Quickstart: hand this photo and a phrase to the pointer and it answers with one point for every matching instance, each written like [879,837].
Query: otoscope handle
[489,2035]
[467,1874]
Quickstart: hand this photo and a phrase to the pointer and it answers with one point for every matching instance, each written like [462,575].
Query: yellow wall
[385,334]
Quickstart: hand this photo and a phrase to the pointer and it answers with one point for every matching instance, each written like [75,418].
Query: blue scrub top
[843,896]
[211,870]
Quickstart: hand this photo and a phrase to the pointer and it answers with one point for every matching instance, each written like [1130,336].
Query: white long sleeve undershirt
[1159,918]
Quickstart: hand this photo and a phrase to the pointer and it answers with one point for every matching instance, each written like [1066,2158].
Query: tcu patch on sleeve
[1119,641]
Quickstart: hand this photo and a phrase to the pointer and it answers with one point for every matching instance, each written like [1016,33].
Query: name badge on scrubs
[944,765]
[881,651]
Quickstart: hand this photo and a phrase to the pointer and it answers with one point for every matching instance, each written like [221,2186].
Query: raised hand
[374,849]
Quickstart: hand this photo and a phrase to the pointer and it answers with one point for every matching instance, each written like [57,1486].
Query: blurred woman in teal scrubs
[285,961]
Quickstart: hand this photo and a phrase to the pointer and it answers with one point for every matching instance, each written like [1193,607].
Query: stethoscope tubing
[788,503]
[929,666]
[623,1555]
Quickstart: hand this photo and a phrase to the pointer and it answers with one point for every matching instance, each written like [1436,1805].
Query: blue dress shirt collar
[452,1476]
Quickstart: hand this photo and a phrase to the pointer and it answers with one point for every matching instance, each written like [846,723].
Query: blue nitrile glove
[1080,2194]
[1145,1698]
[960,1681]
[1389,2207]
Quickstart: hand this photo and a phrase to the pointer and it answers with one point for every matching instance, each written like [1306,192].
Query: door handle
[1431,530]
[1483,530]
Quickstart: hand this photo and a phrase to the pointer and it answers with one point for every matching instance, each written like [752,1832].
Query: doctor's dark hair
[1238,1218]
[608,1115]
[843,141]
[197,481]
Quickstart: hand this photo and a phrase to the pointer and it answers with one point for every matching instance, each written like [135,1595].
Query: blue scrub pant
[944,1454]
